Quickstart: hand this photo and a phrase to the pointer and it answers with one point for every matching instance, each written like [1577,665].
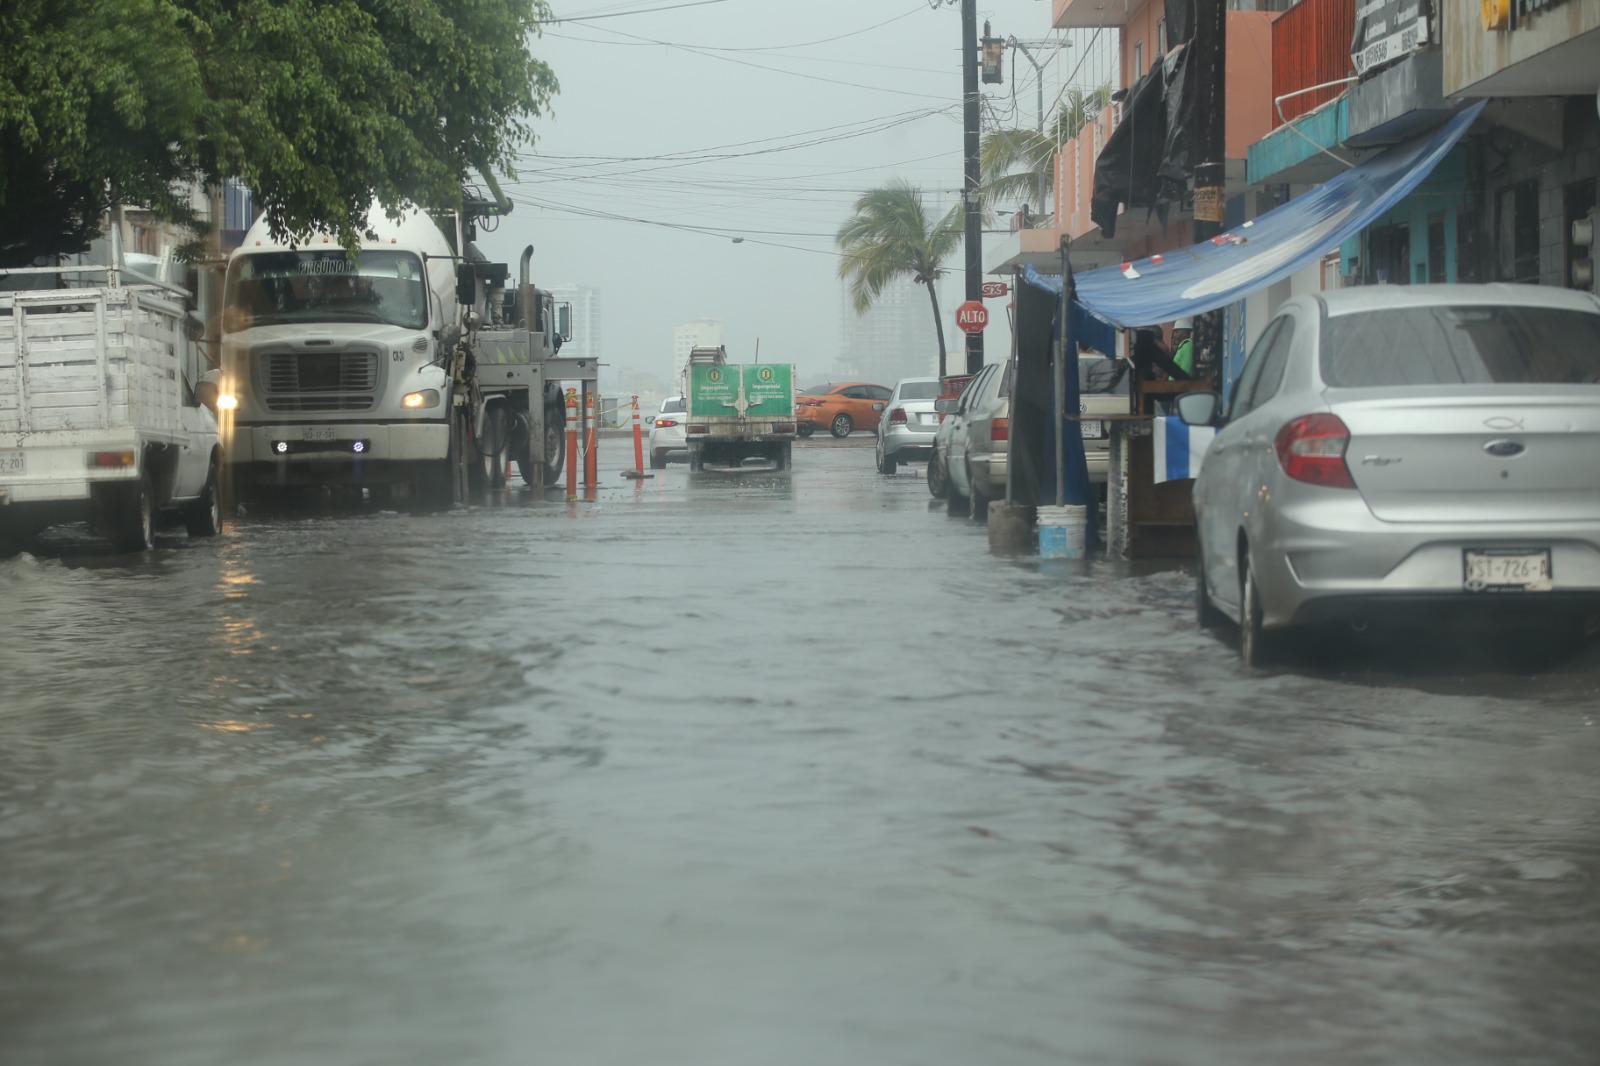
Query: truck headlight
[227,401]
[417,401]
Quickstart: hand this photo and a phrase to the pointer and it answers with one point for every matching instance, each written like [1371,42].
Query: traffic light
[1583,235]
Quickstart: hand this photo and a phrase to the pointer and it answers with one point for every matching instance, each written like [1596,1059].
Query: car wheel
[978,504]
[841,426]
[203,517]
[133,525]
[805,429]
[658,460]
[937,484]
[555,442]
[1257,647]
[1206,613]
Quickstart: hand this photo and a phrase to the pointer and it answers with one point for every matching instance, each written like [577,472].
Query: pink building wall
[1249,114]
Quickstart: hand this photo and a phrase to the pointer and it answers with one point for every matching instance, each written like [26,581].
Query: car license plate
[1092,430]
[1499,570]
[13,463]
[317,433]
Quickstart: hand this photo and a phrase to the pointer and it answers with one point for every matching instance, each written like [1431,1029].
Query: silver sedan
[1405,447]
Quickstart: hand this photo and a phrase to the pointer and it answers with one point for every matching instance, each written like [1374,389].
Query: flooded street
[780,769]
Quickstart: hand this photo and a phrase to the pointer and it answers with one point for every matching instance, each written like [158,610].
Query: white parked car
[667,433]
[977,450]
[908,424]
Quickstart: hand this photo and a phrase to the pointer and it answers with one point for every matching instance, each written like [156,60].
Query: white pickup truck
[104,412]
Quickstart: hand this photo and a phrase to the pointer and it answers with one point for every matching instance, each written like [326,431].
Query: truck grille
[318,381]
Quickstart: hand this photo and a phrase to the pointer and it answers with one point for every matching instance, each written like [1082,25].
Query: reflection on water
[754,768]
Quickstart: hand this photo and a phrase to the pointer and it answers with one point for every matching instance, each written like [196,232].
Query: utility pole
[970,186]
[1209,47]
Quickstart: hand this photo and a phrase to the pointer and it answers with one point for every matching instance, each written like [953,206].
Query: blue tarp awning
[1213,274]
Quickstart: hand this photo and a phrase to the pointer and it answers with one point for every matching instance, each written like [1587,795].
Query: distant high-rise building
[686,336]
[585,301]
[894,339]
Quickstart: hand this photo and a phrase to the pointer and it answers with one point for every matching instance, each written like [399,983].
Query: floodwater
[756,769]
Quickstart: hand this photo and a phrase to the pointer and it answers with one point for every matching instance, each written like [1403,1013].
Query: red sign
[995,289]
[972,316]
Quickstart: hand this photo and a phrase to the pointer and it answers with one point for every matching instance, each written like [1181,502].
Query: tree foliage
[319,106]
[890,235]
[1018,166]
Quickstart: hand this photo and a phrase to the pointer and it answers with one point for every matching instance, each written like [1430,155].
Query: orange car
[841,407]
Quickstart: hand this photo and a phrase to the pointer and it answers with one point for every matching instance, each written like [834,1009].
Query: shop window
[1517,232]
[1580,200]
[1161,36]
[1138,60]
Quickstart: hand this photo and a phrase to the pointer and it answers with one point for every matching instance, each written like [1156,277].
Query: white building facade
[686,336]
[586,331]
[894,339]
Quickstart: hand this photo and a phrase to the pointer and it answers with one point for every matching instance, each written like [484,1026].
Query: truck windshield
[275,288]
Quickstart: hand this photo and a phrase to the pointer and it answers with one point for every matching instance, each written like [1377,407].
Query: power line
[699,51]
[639,11]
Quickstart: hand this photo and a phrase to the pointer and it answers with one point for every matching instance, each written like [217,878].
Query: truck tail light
[698,430]
[1000,429]
[897,417]
[112,459]
[783,427]
[1311,449]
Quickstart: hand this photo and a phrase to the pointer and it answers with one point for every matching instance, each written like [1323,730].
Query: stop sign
[972,316]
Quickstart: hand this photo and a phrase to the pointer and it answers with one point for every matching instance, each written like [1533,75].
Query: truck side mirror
[194,326]
[466,285]
[564,321]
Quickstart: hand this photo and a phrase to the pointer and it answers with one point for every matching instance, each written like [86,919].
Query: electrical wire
[697,50]
[639,11]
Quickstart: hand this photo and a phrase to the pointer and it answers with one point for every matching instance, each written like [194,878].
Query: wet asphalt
[757,768]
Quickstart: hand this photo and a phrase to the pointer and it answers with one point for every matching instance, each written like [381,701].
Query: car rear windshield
[673,406]
[1461,345]
[1098,375]
[920,390]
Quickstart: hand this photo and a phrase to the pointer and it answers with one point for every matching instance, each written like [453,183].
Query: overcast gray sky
[761,140]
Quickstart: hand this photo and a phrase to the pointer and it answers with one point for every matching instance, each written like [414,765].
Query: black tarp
[1180,21]
[1145,162]
[1032,448]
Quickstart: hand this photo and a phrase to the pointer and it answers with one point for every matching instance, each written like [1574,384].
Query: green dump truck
[738,411]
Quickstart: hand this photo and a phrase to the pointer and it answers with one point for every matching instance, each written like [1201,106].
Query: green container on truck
[739,411]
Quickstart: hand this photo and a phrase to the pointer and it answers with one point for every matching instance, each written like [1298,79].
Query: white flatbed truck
[105,409]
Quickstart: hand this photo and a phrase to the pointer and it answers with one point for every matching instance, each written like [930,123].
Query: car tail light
[1311,449]
[1000,429]
[665,423]
[897,417]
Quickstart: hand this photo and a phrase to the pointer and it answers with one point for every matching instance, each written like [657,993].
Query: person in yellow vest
[1183,345]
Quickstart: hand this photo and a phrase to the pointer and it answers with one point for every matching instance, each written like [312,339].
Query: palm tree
[891,236]
[1019,165]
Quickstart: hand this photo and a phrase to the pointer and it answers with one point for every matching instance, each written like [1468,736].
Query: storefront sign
[1387,30]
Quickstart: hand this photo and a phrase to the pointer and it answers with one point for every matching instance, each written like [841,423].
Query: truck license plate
[317,433]
[1502,571]
[13,463]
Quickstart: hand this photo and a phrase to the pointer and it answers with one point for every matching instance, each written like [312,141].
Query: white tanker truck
[411,363]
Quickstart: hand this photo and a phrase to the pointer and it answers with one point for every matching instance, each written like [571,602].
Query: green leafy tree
[890,235]
[319,106]
[1018,166]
